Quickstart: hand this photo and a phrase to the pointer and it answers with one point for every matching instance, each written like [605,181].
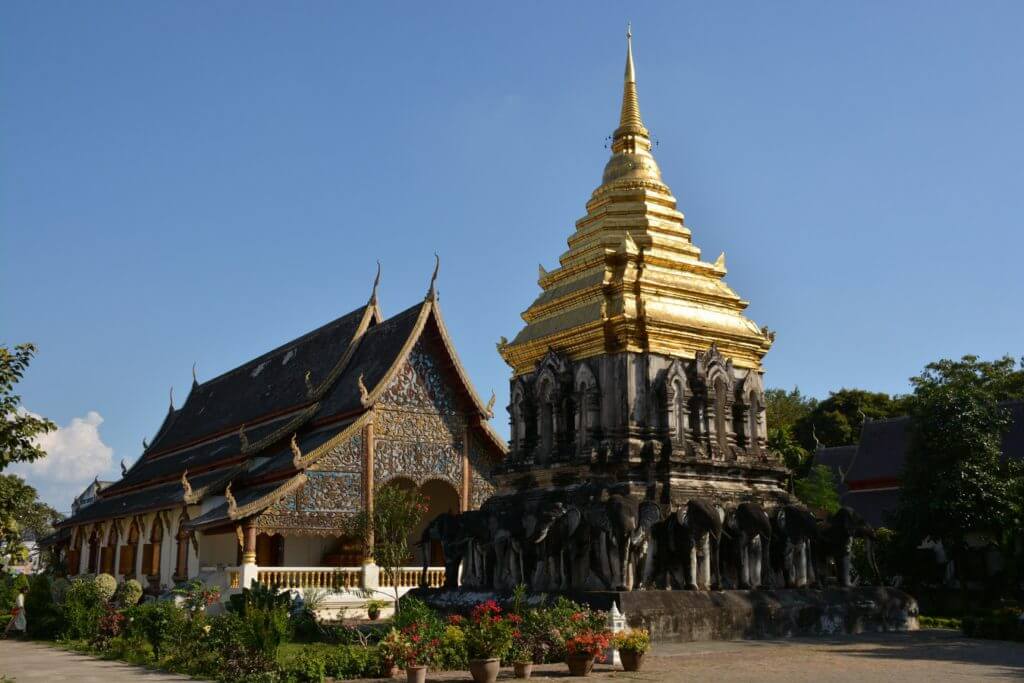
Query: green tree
[817,489]
[786,408]
[396,514]
[956,483]
[19,429]
[837,421]
[21,514]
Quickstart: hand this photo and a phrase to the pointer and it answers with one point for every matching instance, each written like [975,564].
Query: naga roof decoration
[251,433]
[632,280]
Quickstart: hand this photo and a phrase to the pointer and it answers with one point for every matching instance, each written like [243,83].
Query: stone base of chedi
[682,616]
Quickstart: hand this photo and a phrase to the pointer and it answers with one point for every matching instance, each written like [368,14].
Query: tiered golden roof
[632,280]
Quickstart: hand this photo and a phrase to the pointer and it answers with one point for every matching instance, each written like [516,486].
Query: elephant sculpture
[514,551]
[751,532]
[698,523]
[835,543]
[446,529]
[795,539]
[619,528]
[465,542]
[558,541]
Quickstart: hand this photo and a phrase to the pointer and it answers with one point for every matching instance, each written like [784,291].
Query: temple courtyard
[923,656]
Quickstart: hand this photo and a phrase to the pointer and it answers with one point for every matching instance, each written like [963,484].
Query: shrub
[129,593]
[196,597]
[158,623]
[309,666]
[59,589]
[83,609]
[488,634]
[590,643]
[106,586]
[45,618]
[353,661]
[549,628]
[451,652]
[110,626]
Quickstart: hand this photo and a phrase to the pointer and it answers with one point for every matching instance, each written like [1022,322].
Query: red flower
[515,618]
[455,620]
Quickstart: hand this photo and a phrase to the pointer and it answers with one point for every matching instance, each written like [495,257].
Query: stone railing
[326,578]
[409,577]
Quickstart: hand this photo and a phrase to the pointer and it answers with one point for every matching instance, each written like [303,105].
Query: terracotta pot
[523,669]
[416,674]
[631,661]
[580,665]
[484,670]
[373,613]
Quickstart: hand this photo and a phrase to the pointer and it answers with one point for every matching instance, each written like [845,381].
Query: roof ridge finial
[172,398]
[195,382]
[376,283]
[432,292]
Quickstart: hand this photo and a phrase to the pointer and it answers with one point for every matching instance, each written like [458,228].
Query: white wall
[218,549]
[306,551]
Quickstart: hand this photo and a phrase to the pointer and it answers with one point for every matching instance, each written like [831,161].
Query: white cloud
[74,452]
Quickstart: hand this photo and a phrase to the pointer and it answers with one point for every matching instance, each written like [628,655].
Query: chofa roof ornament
[296,453]
[432,292]
[232,503]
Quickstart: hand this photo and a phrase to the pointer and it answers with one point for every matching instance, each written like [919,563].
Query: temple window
[151,551]
[126,560]
[678,411]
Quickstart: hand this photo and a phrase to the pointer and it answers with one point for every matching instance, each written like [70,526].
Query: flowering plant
[488,634]
[391,646]
[522,649]
[590,643]
[419,645]
[632,640]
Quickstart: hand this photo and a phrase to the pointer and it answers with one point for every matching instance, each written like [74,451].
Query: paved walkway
[922,657]
[25,662]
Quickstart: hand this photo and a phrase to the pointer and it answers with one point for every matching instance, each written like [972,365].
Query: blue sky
[198,182]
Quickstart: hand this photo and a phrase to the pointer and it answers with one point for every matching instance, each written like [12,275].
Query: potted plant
[632,644]
[583,648]
[488,638]
[419,647]
[373,608]
[521,652]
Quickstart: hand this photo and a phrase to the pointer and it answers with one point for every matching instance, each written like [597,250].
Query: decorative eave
[302,461]
[236,512]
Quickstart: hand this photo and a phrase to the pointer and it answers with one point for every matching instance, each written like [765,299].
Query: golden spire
[630,103]
[631,142]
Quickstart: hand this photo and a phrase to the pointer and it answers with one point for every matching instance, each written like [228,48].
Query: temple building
[636,362]
[259,472]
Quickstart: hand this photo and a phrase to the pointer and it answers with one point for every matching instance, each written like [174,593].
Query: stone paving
[921,657]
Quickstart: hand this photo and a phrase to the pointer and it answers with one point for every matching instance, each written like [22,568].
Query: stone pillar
[138,554]
[370,578]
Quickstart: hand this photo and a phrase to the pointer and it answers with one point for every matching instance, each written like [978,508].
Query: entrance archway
[441,497]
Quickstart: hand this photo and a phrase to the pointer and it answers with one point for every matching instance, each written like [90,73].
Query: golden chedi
[636,350]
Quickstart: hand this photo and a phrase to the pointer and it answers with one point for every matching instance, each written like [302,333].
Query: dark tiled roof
[377,352]
[883,445]
[242,498]
[837,459]
[265,385]
[193,459]
[280,459]
[153,498]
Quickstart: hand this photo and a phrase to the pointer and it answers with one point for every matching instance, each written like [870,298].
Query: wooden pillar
[181,563]
[466,473]
[249,549]
[368,446]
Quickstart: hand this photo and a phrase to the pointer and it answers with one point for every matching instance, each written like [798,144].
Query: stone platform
[683,616]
